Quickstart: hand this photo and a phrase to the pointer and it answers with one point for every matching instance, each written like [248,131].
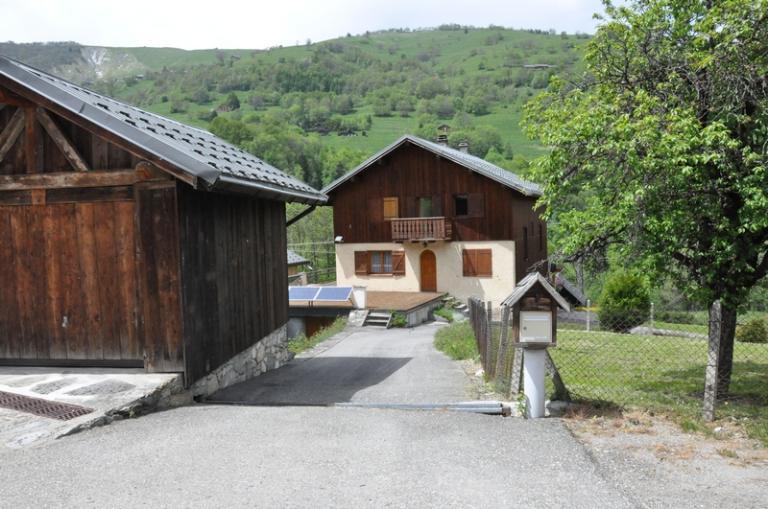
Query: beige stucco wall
[449,269]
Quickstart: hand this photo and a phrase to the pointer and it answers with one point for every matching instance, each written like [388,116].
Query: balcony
[421,229]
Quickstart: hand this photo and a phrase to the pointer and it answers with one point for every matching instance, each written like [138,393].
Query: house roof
[570,288]
[213,162]
[529,282]
[473,163]
[296,259]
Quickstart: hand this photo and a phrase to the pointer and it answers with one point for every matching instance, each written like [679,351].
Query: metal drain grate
[42,407]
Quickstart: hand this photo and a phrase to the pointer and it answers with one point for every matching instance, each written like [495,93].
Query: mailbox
[534,304]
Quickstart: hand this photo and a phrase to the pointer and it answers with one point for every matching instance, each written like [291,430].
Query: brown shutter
[361,263]
[398,263]
[484,263]
[468,262]
[476,205]
[375,210]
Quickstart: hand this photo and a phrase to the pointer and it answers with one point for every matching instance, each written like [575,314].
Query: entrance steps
[449,301]
[378,319]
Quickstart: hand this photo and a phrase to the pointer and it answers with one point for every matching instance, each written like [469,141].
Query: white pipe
[534,369]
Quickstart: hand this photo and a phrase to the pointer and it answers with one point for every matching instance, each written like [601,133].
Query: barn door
[69,280]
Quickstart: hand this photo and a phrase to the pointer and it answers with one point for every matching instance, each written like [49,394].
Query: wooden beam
[69,179]
[69,151]
[33,143]
[9,97]
[11,132]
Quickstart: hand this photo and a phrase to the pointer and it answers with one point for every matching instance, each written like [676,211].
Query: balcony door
[428,266]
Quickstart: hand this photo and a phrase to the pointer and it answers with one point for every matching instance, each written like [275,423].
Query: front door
[428,271]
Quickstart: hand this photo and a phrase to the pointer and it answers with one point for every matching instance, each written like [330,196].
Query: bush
[398,320]
[625,302]
[754,331]
[445,313]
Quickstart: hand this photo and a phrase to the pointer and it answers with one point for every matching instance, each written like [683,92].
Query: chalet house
[419,216]
[128,239]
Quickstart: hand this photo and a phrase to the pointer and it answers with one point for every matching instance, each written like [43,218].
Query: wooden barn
[129,239]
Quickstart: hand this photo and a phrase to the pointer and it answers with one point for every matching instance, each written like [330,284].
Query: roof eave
[229,184]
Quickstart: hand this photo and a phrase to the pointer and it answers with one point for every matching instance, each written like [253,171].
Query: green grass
[662,374]
[457,341]
[682,327]
[302,343]
[445,313]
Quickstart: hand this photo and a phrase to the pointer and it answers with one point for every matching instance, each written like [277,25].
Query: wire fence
[651,360]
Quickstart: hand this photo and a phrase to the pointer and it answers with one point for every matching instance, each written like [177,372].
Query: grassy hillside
[345,98]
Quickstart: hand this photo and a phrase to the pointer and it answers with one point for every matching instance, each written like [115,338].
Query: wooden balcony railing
[421,229]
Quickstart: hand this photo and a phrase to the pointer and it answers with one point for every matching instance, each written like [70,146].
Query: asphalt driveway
[370,365]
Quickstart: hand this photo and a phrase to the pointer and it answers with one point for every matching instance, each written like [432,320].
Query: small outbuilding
[129,239]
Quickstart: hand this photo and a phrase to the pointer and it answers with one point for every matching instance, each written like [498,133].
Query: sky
[257,24]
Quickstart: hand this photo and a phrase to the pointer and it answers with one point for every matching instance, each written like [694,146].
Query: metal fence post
[589,304]
[651,317]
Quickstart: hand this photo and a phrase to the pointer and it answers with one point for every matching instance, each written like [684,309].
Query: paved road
[369,366]
[244,456]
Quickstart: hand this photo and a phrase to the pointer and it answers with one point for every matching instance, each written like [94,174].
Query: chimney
[442,139]
[464,146]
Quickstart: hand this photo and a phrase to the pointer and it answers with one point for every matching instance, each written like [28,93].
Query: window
[477,262]
[461,205]
[425,206]
[391,208]
[380,262]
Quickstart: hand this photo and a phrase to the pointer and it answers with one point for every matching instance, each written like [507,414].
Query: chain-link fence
[654,359]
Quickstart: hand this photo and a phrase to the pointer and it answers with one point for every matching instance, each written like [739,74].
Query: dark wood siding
[234,273]
[495,212]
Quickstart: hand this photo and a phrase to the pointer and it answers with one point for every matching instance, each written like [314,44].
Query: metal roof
[474,163]
[529,282]
[571,288]
[220,165]
[296,259]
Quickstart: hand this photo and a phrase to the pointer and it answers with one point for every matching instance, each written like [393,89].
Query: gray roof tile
[192,150]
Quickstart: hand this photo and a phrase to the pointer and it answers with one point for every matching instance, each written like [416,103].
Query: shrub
[398,320]
[754,331]
[625,301]
[445,313]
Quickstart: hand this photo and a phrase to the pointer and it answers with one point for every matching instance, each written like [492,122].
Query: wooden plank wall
[68,289]
[234,274]
[410,172]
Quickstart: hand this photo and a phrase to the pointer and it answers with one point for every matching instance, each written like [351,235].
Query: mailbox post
[534,304]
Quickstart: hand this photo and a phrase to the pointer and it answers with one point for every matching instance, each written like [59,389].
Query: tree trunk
[722,330]
[727,336]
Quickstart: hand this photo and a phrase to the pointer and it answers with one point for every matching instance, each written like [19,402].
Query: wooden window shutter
[484,263]
[477,262]
[468,262]
[375,210]
[398,263]
[476,205]
[391,208]
[361,263]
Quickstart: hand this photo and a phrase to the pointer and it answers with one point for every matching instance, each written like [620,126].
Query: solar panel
[334,293]
[302,292]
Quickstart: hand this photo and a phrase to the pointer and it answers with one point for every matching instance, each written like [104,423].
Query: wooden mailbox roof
[473,163]
[527,283]
[211,161]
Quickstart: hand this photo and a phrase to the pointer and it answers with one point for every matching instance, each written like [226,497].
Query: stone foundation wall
[270,352]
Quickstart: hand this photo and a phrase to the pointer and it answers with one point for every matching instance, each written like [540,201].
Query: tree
[664,142]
